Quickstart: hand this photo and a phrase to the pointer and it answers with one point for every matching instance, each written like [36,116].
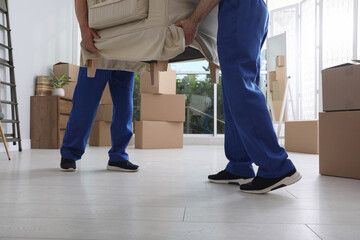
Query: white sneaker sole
[68,170]
[112,168]
[234,181]
[285,182]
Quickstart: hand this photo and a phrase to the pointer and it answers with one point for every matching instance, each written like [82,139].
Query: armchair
[138,33]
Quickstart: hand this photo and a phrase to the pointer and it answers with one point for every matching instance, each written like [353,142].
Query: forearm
[81,10]
[202,10]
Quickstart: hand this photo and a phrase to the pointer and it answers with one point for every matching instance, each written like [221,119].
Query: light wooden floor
[169,198]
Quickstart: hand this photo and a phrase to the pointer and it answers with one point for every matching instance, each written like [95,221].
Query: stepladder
[8,81]
[279,121]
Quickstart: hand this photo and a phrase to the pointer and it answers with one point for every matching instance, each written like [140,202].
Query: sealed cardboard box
[166,83]
[277,109]
[302,136]
[71,71]
[104,113]
[341,88]
[106,97]
[272,78]
[162,107]
[339,144]
[159,135]
[280,73]
[100,134]
[278,90]
[280,61]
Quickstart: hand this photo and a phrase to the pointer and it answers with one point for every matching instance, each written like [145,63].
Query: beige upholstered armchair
[137,33]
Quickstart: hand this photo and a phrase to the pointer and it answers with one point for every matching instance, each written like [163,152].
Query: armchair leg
[91,67]
[214,72]
[155,68]
[4,140]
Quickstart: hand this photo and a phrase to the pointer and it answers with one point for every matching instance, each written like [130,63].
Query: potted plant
[59,83]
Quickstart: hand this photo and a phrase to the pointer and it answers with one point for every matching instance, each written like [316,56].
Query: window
[193,80]
[320,34]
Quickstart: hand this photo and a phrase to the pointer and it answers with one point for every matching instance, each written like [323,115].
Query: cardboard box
[167,83]
[339,144]
[302,136]
[132,141]
[106,97]
[280,61]
[69,70]
[280,73]
[104,113]
[277,109]
[162,107]
[272,78]
[100,135]
[341,88]
[278,90]
[159,135]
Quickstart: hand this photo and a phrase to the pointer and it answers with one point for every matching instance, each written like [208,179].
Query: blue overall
[86,100]
[249,133]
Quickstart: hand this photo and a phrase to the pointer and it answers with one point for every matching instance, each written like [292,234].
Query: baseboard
[25,144]
[203,139]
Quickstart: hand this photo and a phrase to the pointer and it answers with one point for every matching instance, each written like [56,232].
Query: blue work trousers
[86,100]
[249,133]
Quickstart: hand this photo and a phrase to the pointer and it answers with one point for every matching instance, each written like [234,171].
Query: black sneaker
[264,185]
[227,178]
[67,165]
[125,166]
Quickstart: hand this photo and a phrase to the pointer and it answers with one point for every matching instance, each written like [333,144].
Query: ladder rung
[5,63]
[8,84]
[11,140]
[5,46]
[5,28]
[9,121]
[9,102]
[3,7]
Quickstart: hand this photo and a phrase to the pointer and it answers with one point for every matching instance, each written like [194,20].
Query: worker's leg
[86,100]
[121,87]
[242,27]
[240,163]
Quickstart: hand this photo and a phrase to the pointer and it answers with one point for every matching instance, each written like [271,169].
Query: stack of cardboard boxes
[339,124]
[100,132]
[277,85]
[162,113]
[300,136]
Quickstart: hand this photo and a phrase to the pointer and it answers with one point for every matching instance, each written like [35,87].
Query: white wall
[42,34]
